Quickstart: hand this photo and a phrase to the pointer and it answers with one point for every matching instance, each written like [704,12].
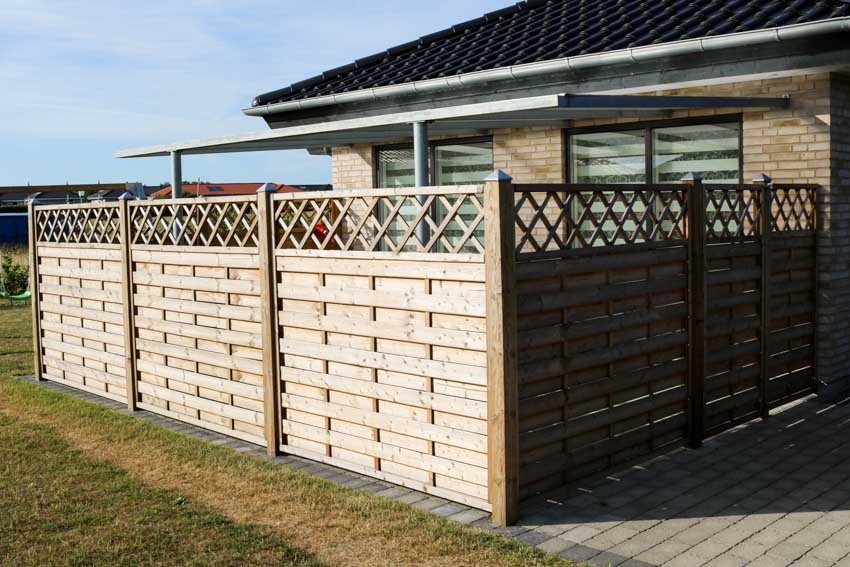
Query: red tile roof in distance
[221,189]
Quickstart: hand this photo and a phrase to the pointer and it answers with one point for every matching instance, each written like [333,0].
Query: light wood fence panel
[198,332]
[383,354]
[80,298]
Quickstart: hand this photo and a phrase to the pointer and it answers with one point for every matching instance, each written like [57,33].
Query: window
[608,157]
[451,162]
[395,168]
[462,164]
[712,150]
[660,153]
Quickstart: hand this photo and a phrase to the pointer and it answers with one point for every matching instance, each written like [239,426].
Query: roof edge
[632,55]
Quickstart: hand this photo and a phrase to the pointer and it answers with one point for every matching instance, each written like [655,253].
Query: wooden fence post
[127,294]
[502,386]
[765,231]
[697,309]
[268,301]
[35,295]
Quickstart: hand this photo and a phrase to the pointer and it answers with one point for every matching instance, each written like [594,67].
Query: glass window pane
[712,150]
[396,168]
[608,157]
[463,164]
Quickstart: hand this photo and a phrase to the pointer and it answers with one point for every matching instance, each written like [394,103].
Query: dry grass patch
[335,525]
[58,507]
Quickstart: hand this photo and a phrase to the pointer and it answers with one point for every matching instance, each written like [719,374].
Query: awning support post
[176,190]
[176,174]
[420,160]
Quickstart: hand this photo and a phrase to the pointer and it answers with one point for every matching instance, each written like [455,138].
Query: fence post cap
[267,188]
[691,177]
[498,175]
[127,196]
[762,178]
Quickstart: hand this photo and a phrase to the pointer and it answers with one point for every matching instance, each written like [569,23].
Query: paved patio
[765,494]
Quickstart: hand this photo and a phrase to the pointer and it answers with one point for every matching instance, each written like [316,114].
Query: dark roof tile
[541,30]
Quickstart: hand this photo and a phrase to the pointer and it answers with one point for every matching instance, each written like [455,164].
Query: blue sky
[82,79]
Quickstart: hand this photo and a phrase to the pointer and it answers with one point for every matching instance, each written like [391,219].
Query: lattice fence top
[794,208]
[732,212]
[231,222]
[78,224]
[447,220]
[571,217]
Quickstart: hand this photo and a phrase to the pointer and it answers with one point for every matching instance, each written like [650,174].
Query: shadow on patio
[774,491]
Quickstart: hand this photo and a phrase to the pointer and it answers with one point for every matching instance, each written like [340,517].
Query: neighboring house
[19,196]
[596,92]
[220,189]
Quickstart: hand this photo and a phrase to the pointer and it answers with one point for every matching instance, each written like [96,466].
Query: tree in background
[15,276]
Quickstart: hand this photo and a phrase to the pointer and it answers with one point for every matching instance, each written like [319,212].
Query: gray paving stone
[663,552]
[413,498]
[429,503]
[788,551]
[533,537]
[811,561]
[555,545]
[578,553]
[449,509]
[469,515]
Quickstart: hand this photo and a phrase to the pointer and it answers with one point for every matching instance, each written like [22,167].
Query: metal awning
[470,119]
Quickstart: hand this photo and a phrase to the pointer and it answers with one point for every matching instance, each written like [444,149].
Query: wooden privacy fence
[476,343]
[346,327]
[637,333]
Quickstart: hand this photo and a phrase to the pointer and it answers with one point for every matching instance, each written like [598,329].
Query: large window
[608,157]
[450,163]
[653,153]
[659,153]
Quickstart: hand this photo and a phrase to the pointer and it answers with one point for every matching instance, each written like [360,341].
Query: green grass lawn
[60,507]
[83,485]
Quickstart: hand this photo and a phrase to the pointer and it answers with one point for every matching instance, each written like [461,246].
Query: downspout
[569,65]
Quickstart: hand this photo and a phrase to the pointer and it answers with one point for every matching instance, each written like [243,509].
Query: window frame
[432,154]
[648,126]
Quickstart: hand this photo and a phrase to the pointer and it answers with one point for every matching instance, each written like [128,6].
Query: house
[595,92]
[219,189]
[18,196]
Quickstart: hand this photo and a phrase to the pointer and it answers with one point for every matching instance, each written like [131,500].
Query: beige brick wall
[530,155]
[353,167]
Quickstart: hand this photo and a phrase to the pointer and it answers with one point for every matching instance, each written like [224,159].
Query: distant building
[221,189]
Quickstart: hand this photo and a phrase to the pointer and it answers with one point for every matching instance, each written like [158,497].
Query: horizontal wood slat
[383,368]
[80,301]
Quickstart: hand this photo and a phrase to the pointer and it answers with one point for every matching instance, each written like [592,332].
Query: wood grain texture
[383,369]
[502,346]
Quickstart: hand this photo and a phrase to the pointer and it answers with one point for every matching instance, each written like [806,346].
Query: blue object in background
[13,227]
